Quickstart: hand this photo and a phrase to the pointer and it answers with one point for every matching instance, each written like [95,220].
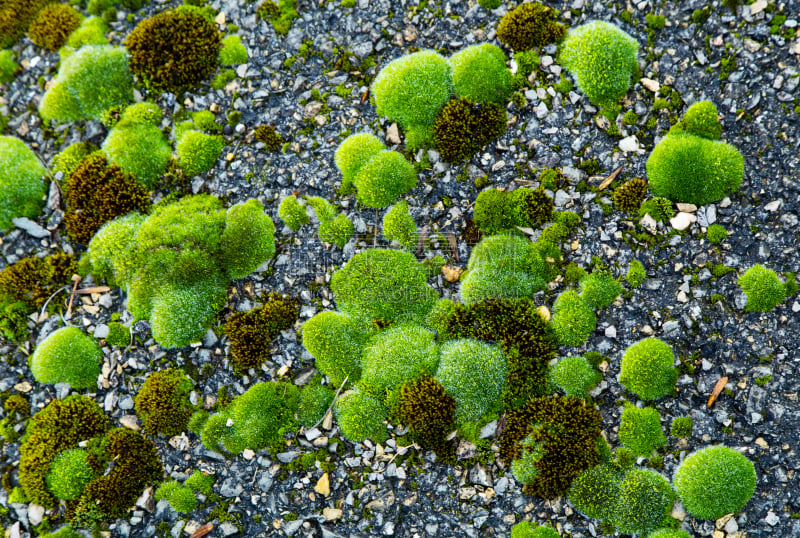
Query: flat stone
[682,220]
[130,421]
[228,528]
[331,514]
[686,208]
[758,6]
[649,224]
[30,227]
[629,144]
[35,514]
[650,84]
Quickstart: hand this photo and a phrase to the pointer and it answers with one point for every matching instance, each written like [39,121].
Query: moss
[338,230]
[669,533]
[315,399]
[628,197]
[69,474]
[716,234]
[715,481]
[564,434]
[530,25]
[595,492]
[251,333]
[645,500]
[53,25]
[89,82]
[118,335]
[640,430]
[526,529]
[647,369]
[429,412]
[763,287]
[701,120]
[480,74]
[385,285]
[280,15]
[200,481]
[8,69]
[411,90]
[138,146]
[292,213]
[575,376]
[462,128]
[92,31]
[180,497]
[383,178]
[599,289]
[69,158]
[336,342]
[31,281]
[59,426]
[98,192]
[21,186]
[360,416]
[636,274]
[681,427]
[67,355]
[396,355]
[163,402]
[399,225]
[174,51]
[353,153]
[198,152]
[658,208]
[15,17]
[233,52]
[269,136]
[493,212]
[573,319]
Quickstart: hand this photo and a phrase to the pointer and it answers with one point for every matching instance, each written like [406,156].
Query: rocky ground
[735,60]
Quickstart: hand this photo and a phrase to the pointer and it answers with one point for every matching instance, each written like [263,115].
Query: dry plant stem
[421,243]
[332,403]
[611,177]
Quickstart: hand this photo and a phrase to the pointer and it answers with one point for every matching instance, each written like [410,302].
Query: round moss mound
[22,189]
[399,225]
[715,481]
[69,474]
[90,81]
[353,153]
[640,430]
[575,376]
[163,402]
[645,500]
[595,492]
[140,149]
[336,341]
[429,412]
[573,319]
[98,192]
[473,373]
[396,355]
[763,287]
[382,179]
[410,90]
[181,498]
[480,74]
[174,51]
[526,529]
[688,168]
[360,416]
[669,533]
[599,289]
[198,152]
[628,197]
[700,119]
[462,128]
[530,25]
[53,25]
[602,60]
[67,356]
[293,213]
[383,285]
[647,369]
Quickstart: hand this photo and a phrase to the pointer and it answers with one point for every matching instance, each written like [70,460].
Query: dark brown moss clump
[53,25]
[251,333]
[15,17]
[59,426]
[163,402]
[174,50]
[628,197]
[430,414]
[98,192]
[530,25]
[269,136]
[463,128]
[564,433]
[532,207]
[520,330]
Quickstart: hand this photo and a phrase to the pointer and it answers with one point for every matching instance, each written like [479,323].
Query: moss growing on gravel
[594,493]
[462,128]
[384,178]
[715,481]
[602,59]
[669,533]
[98,192]
[410,90]
[251,333]
[640,430]
[15,17]
[628,196]
[181,290]
[280,15]
[647,369]
[530,25]
[233,52]
[269,136]
[573,319]
[69,474]
[575,376]
[658,208]
[700,119]
[360,416]
[70,157]
[163,402]
[181,498]
[681,427]
[22,188]
[429,411]
[138,146]
[293,213]
[198,152]
[396,355]
[353,153]
[336,342]
[8,68]
[398,225]
[315,399]
[526,529]
[716,234]
[53,25]
[636,274]
[175,50]
[67,355]
[480,74]
[764,289]
[562,442]
[90,81]
[599,289]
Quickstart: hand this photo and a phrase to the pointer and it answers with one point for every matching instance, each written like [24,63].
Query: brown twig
[717,390]
[77,280]
[202,531]
[611,177]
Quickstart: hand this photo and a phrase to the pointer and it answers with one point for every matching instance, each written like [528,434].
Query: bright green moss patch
[636,274]
[292,213]
[573,319]
[640,430]
[280,15]
[353,153]
[599,289]
[763,287]
[198,152]
[360,416]
[399,225]
[8,67]
[716,234]
[138,146]
[233,52]
[336,342]
[396,355]
[21,185]
[315,399]
[602,59]
[575,376]
[715,481]
[480,74]
[69,474]
[496,210]
[647,369]
[180,497]
[67,355]
[681,427]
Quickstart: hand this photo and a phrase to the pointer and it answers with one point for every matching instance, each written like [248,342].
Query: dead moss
[163,402]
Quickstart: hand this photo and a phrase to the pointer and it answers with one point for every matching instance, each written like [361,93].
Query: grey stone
[30,227]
